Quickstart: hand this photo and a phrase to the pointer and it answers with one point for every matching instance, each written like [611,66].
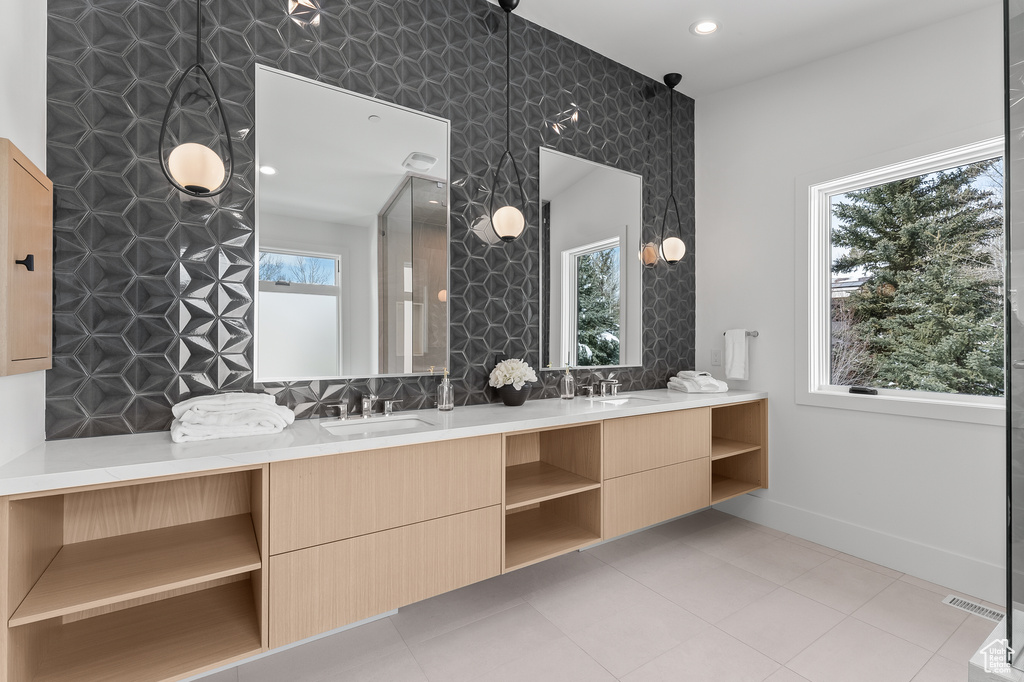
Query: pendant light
[194,168]
[508,221]
[672,248]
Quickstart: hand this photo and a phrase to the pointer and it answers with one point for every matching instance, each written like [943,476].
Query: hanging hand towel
[737,365]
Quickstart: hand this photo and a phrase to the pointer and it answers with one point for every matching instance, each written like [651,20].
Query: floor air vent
[972,607]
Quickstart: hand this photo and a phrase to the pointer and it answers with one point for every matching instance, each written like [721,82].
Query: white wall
[23,121]
[358,248]
[922,496]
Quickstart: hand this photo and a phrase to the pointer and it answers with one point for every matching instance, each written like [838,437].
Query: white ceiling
[756,38]
[332,162]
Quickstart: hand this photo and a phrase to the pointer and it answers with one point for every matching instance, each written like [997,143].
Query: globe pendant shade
[196,167]
[673,249]
[648,255]
[508,222]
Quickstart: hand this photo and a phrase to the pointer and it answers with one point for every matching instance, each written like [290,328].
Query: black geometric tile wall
[154,292]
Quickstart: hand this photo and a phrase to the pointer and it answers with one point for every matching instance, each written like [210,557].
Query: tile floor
[706,598]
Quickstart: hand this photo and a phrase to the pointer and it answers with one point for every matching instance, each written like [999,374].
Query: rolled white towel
[222,402]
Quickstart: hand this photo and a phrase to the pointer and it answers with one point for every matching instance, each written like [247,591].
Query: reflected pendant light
[508,221]
[672,248]
[194,168]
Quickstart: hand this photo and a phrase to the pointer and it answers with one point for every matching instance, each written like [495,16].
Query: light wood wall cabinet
[149,581]
[159,580]
[26,263]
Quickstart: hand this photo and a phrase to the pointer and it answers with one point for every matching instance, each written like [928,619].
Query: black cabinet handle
[29,262]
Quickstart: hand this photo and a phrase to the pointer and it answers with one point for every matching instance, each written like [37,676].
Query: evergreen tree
[598,313]
[930,313]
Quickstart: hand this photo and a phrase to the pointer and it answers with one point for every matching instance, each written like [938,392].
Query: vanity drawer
[640,500]
[634,444]
[321,588]
[324,499]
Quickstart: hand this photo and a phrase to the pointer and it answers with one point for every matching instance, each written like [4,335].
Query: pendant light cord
[508,82]
[199,31]
[671,164]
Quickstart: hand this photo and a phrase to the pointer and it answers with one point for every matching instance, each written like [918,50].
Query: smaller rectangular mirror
[591,288]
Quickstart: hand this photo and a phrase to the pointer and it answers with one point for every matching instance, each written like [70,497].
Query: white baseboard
[949,569]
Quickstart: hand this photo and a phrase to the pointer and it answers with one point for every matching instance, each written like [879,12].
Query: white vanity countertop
[108,459]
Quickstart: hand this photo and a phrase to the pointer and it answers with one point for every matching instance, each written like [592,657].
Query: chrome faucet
[368,403]
[389,406]
[609,383]
[342,409]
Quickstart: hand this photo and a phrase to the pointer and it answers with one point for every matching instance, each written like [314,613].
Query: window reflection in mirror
[591,288]
[352,232]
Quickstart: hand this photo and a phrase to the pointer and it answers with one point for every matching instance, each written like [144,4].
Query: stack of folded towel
[227,415]
[696,382]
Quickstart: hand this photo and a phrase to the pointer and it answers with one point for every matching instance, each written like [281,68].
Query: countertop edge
[60,465]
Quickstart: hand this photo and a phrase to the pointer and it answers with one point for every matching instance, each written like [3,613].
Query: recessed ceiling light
[268,170]
[703,28]
[374,118]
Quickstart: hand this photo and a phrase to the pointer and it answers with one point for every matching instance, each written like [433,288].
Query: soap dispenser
[567,385]
[445,394]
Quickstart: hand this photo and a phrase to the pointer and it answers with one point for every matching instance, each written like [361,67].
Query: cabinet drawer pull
[29,262]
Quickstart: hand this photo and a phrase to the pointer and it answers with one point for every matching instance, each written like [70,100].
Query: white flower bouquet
[514,372]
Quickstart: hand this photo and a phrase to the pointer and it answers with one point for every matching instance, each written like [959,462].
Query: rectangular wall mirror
[591,289]
[351,231]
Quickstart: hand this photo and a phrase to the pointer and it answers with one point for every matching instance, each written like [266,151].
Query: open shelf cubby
[552,492]
[739,449]
[551,528]
[147,581]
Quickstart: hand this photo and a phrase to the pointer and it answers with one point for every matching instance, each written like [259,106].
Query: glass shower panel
[413,278]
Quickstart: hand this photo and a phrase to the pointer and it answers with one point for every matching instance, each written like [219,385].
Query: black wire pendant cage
[192,166]
[508,221]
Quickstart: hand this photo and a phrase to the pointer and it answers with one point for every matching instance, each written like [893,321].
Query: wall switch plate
[716,358]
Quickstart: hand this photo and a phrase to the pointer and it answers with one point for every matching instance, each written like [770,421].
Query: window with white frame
[299,315]
[906,279]
[591,304]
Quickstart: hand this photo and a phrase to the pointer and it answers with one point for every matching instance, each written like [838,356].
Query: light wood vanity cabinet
[640,500]
[146,581]
[325,587]
[634,444]
[324,499]
[26,286]
[163,579]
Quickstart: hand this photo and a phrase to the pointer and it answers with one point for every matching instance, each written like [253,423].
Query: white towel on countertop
[182,432]
[737,365]
[696,382]
[223,402]
[228,415]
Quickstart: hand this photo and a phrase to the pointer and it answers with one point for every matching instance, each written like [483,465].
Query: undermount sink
[390,424]
[622,399]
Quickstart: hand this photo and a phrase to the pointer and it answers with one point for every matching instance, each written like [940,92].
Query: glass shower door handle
[1019,364]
